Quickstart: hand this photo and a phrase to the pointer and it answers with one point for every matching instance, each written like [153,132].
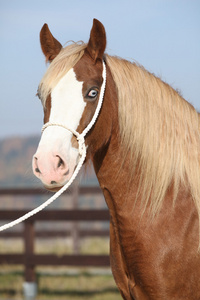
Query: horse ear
[50,46]
[97,42]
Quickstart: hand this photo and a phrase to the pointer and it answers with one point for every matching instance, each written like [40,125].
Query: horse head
[70,98]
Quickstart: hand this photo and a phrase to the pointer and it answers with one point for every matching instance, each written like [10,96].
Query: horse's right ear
[50,46]
[97,42]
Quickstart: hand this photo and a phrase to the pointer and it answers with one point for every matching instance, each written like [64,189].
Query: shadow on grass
[47,292]
[78,293]
[8,292]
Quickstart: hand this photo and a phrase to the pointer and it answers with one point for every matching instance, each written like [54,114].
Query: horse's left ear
[97,42]
[50,46]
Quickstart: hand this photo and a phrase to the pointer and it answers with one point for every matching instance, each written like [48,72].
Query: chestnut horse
[145,148]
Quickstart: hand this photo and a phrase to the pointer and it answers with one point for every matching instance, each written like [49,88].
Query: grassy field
[60,282]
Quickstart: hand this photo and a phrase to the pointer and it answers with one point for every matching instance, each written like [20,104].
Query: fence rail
[82,190]
[59,215]
[29,259]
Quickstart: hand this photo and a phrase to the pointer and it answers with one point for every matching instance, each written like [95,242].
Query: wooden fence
[29,259]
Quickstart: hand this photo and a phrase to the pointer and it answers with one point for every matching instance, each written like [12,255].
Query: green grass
[11,281]
[58,283]
[83,285]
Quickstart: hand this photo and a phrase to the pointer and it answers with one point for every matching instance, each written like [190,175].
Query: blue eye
[92,94]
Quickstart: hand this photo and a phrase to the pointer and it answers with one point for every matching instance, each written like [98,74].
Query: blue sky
[162,35]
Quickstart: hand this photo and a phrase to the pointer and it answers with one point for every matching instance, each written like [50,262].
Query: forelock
[64,61]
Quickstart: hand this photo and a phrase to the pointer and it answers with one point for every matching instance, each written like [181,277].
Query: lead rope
[82,152]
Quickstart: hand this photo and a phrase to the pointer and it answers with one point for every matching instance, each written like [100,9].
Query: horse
[145,149]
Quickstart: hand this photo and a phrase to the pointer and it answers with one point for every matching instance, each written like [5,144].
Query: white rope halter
[82,152]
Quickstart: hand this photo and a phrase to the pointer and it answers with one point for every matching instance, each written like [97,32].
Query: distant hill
[16,163]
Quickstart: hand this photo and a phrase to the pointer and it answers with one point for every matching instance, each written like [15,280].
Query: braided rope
[82,153]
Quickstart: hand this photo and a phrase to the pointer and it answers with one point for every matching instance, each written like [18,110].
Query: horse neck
[120,190]
[107,158]
[114,177]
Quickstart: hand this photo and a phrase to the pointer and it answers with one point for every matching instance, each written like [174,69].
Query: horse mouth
[53,189]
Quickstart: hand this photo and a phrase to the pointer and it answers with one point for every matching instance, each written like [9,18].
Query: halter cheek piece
[82,152]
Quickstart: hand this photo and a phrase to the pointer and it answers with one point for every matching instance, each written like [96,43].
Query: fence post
[29,286]
[75,226]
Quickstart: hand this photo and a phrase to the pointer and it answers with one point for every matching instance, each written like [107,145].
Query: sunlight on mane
[161,132]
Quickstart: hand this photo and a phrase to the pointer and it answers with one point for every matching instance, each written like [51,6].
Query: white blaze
[67,106]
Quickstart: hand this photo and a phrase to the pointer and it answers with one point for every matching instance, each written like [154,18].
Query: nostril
[60,162]
[53,182]
[37,170]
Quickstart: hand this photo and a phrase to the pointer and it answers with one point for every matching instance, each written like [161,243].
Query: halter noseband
[82,152]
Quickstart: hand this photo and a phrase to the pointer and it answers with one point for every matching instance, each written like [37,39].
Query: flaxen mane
[159,129]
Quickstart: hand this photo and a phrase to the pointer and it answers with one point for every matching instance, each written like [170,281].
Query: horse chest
[154,260]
